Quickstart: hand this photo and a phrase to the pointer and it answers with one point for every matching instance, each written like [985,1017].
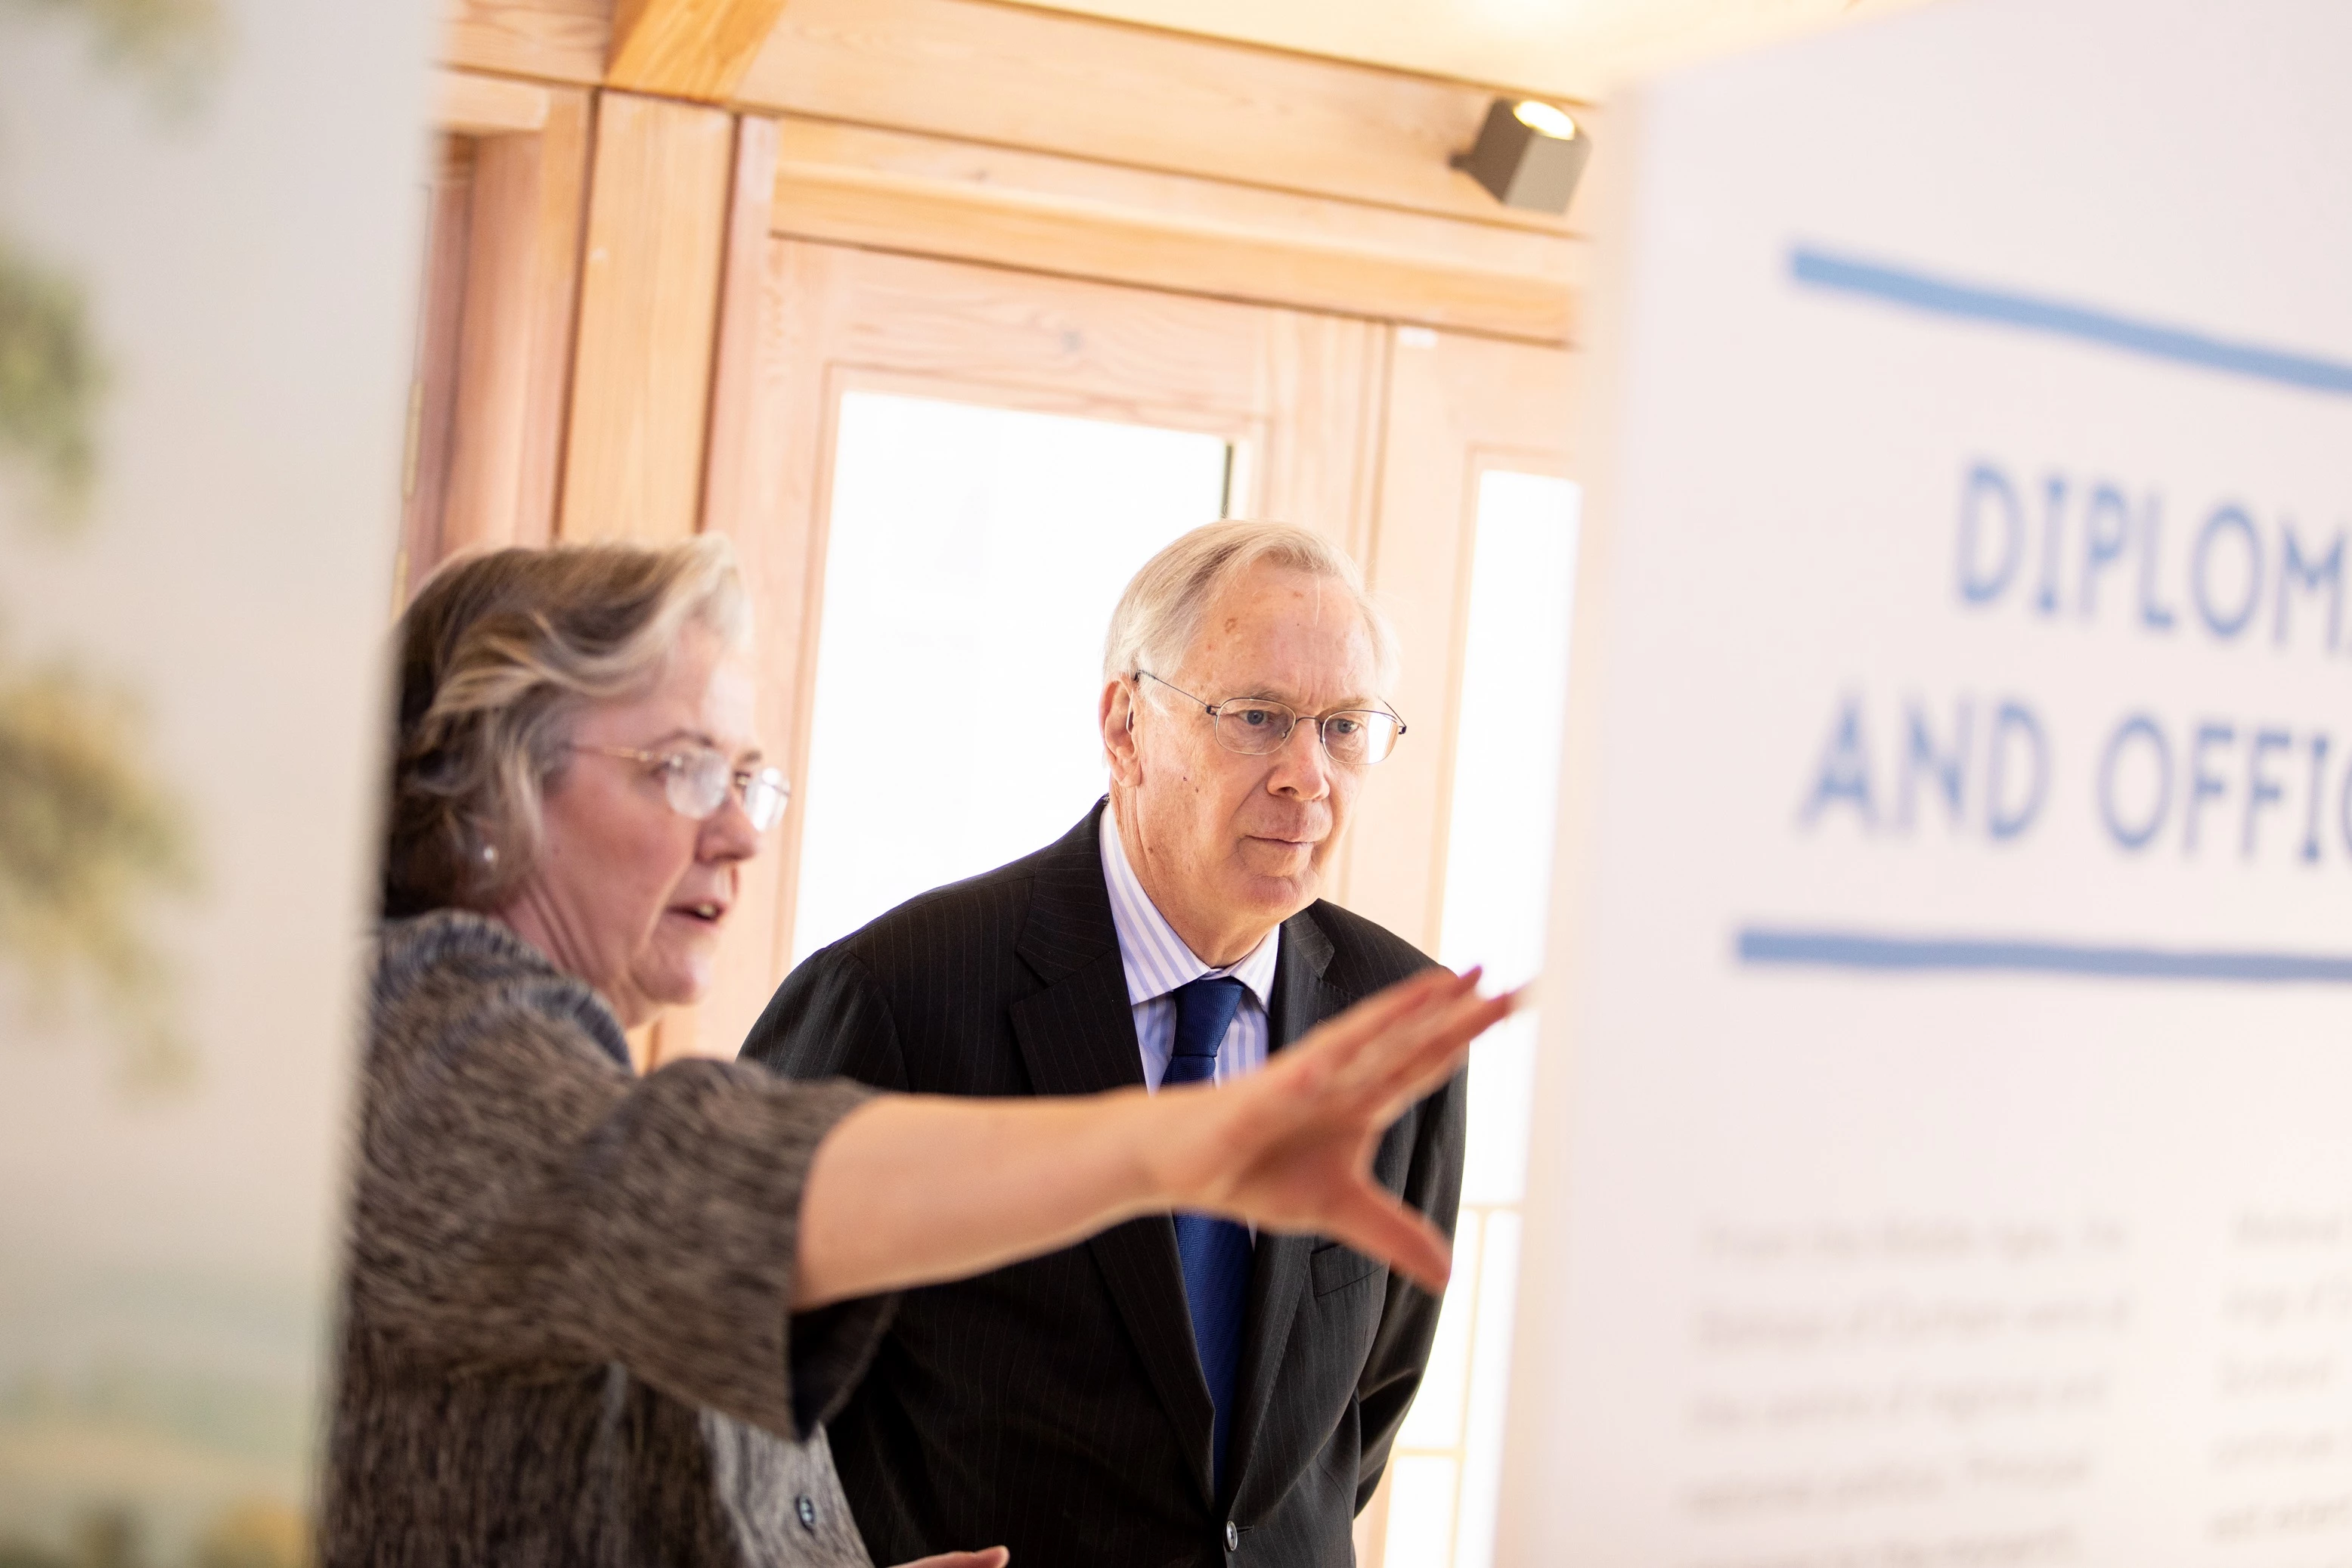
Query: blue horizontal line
[1862,950]
[2306,372]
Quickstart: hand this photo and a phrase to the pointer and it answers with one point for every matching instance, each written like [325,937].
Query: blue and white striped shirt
[1156,962]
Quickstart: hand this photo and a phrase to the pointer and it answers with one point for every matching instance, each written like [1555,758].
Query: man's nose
[1302,769]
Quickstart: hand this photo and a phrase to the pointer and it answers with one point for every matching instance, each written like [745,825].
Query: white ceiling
[1570,49]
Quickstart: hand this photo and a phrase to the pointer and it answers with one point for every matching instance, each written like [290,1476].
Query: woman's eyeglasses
[698,780]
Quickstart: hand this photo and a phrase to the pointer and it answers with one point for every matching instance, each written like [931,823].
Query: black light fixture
[1528,154]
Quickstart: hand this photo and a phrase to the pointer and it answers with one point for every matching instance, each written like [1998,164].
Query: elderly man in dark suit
[1174,1392]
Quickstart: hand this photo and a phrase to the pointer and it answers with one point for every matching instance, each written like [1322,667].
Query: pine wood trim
[649,305]
[515,354]
[1050,81]
[932,195]
[468,104]
[550,40]
[688,48]
[732,489]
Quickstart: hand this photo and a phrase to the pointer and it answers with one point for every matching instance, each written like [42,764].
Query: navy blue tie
[1215,1253]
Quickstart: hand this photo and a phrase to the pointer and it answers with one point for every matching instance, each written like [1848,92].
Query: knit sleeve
[523,1199]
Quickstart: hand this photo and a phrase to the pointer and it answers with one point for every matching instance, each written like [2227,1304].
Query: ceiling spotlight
[1544,120]
[1528,154]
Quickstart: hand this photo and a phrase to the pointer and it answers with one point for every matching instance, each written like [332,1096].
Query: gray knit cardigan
[565,1336]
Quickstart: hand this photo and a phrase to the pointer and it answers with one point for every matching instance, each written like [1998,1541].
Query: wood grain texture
[688,48]
[515,350]
[1321,385]
[565,147]
[932,195]
[434,373]
[552,40]
[1456,407]
[1109,91]
[649,299]
[494,357]
[465,103]
[731,481]
[1297,392]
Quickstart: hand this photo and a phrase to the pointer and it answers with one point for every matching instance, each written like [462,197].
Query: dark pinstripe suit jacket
[1057,1405]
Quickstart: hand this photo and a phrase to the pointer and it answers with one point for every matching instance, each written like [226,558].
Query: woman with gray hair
[596,1315]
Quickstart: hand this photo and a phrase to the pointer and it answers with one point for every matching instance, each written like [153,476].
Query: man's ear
[1117,718]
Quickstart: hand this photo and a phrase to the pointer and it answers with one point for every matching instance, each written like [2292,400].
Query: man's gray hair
[1160,613]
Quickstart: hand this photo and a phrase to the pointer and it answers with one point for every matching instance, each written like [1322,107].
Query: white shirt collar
[1156,959]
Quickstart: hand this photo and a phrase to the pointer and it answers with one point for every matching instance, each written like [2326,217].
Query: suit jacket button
[1232,1536]
[806,1507]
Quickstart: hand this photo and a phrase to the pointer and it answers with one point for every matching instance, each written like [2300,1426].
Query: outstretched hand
[994,1557]
[1289,1148]
[910,1189]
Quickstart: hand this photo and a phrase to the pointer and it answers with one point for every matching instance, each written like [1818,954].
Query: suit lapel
[1078,1036]
[1301,1001]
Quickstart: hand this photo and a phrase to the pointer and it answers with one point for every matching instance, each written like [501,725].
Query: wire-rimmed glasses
[698,780]
[1259,726]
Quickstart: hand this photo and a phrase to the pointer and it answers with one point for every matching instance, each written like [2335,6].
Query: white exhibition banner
[1943,1147]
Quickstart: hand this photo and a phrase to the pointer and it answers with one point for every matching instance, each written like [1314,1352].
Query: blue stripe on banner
[1861,950]
[1943,297]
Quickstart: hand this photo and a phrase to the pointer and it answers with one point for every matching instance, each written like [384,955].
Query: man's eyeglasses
[698,780]
[1258,726]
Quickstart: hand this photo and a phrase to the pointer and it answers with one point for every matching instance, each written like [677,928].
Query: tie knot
[1205,1011]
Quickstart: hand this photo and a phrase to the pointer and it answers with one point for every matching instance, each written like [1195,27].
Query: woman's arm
[910,1189]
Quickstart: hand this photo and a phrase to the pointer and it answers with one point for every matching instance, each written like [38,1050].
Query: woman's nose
[728,832]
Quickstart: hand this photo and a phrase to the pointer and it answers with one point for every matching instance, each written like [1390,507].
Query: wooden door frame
[510,295]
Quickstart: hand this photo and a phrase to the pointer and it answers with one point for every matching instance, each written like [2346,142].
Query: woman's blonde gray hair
[497,654]
[1160,613]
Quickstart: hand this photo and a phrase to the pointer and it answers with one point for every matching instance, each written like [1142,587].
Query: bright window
[1497,885]
[973,557]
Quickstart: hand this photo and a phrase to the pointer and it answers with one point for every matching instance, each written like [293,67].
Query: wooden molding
[432,392]
[730,483]
[521,279]
[1114,92]
[648,302]
[466,104]
[929,195]
[1456,407]
[565,147]
[552,40]
[1022,137]
[688,48]
[1016,76]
